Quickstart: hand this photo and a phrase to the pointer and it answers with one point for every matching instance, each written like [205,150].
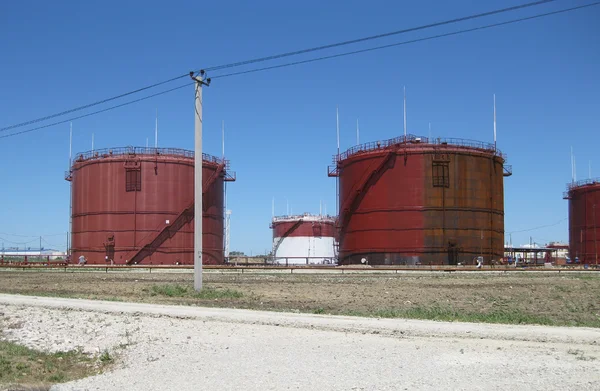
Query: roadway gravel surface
[161,347]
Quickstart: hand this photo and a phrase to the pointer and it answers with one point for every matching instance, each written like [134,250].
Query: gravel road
[190,348]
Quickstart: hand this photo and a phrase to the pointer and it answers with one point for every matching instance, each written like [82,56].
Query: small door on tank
[453,251]
[109,247]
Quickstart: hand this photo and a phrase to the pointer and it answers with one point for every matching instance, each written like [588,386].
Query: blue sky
[280,124]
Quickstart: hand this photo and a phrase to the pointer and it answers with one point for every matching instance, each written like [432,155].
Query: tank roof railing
[303,216]
[133,151]
[412,139]
[582,182]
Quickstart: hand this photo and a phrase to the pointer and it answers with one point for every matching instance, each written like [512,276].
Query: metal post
[198,180]
[595,237]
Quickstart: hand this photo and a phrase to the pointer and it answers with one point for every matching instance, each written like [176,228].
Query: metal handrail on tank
[129,151]
[413,139]
[582,182]
[285,218]
[373,145]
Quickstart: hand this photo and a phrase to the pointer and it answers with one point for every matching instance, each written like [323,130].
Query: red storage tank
[584,230]
[409,201]
[136,206]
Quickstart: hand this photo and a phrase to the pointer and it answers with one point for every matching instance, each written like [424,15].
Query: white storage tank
[304,240]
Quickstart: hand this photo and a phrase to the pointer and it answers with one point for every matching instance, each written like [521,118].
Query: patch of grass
[318,311]
[105,357]
[175,290]
[20,365]
[452,315]
[169,290]
[594,277]
[210,293]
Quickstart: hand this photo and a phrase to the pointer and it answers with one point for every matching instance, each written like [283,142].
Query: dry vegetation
[22,368]
[520,297]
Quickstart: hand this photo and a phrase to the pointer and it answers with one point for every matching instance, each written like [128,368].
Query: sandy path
[191,348]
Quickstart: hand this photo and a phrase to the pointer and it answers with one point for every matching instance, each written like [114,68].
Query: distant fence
[20,259]
[57,265]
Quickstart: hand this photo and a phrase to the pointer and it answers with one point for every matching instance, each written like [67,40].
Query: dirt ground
[231,349]
[570,299]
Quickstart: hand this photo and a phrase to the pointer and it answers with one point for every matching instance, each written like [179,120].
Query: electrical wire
[63,244]
[95,112]
[31,236]
[19,236]
[33,121]
[540,227]
[378,36]
[311,60]
[277,56]
[405,42]
[12,242]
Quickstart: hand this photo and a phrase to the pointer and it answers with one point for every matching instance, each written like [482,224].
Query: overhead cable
[378,36]
[281,55]
[405,42]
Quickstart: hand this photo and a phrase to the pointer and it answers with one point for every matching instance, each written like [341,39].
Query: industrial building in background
[411,200]
[584,199]
[304,240]
[135,205]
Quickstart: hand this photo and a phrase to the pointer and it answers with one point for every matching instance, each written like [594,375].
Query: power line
[282,55]
[540,227]
[311,60]
[19,236]
[96,112]
[30,236]
[378,36]
[406,42]
[33,121]
[17,243]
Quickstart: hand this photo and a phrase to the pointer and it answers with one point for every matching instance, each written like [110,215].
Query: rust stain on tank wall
[584,220]
[408,201]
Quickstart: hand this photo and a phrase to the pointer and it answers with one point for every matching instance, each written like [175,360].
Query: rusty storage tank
[409,200]
[136,206]
[304,239]
[584,199]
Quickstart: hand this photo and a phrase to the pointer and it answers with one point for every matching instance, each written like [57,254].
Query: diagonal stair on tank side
[184,217]
[286,234]
[369,179]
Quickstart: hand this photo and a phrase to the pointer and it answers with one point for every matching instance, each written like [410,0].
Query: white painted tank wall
[319,250]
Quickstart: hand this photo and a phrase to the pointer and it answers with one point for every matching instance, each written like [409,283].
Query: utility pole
[40,249]
[70,188]
[595,237]
[199,82]
[227,232]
